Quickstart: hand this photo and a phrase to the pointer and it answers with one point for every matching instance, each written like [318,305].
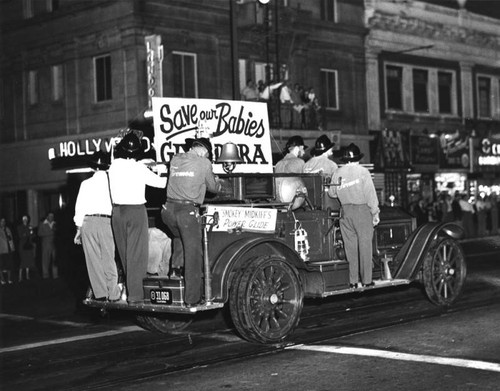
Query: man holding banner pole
[190,177]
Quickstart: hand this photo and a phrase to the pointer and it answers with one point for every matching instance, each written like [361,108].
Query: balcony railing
[289,116]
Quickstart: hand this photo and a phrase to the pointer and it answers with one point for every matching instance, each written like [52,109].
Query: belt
[185,202]
[100,215]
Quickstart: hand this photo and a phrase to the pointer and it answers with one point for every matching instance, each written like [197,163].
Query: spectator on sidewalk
[46,232]
[494,214]
[467,211]
[481,214]
[26,245]
[6,252]
[456,209]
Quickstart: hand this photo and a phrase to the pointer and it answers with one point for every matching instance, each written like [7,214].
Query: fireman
[321,161]
[190,177]
[358,198]
[128,178]
[293,161]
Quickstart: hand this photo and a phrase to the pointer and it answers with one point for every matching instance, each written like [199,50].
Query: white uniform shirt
[93,198]
[128,180]
[356,187]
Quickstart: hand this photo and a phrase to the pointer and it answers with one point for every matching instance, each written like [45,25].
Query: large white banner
[245,124]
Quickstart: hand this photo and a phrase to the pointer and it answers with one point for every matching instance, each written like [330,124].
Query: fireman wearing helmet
[321,161]
[128,178]
[190,177]
[294,152]
[358,198]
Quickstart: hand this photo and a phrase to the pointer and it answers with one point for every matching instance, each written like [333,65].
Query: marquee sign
[154,50]
[245,124]
[489,153]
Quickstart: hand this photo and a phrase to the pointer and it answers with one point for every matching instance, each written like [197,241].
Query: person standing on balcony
[93,231]
[293,161]
[128,180]
[358,198]
[250,92]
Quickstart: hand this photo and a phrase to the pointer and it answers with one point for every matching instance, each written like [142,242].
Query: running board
[146,306]
[378,284]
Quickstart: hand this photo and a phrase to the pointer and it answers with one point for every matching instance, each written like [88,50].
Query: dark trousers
[130,227]
[183,221]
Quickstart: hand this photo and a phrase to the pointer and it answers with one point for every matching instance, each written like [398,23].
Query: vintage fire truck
[271,240]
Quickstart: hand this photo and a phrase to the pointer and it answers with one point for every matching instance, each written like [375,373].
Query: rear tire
[164,324]
[444,272]
[266,300]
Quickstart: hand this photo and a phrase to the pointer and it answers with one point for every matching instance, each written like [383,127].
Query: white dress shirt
[129,179]
[93,198]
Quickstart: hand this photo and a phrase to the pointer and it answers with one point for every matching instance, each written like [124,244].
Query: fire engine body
[264,276]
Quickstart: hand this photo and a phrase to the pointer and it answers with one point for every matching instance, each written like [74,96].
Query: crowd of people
[478,217]
[23,246]
[293,107]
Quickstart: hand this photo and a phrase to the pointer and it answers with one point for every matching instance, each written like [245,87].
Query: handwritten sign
[245,124]
[244,219]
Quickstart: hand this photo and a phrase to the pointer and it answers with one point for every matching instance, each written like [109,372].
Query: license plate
[160,296]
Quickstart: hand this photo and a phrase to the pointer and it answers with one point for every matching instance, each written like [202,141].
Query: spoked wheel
[444,272]
[164,323]
[266,300]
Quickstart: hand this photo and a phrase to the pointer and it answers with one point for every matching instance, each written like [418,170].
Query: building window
[329,10]
[102,77]
[394,86]
[329,91]
[420,91]
[33,87]
[445,88]
[185,80]
[484,96]
[28,9]
[57,82]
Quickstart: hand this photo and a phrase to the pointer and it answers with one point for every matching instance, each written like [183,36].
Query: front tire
[444,272]
[266,300]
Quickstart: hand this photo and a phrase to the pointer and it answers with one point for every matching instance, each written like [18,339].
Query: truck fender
[411,256]
[235,256]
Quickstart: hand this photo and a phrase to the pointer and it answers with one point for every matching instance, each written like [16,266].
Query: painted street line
[122,330]
[457,362]
[48,321]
